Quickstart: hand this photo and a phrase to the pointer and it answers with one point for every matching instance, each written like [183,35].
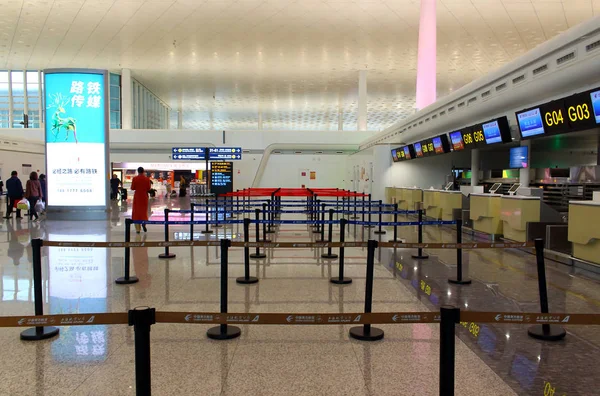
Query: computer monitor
[495,187]
[513,189]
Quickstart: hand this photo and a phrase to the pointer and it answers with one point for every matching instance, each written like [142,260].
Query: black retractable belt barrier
[322,229]
[264,226]
[329,255]
[450,316]
[271,215]
[380,231]
[224,332]
[341,280]
[316,226]
[544,332]
[126,279]
[366,332]
[459,268]
[258,254]
[39,332]
[395,239]
[420,254]
[206,229]
[246,279]
[166,254]
[192,205]
[142,319]
[217,225]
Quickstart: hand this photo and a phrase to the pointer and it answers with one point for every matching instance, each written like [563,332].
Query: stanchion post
[39,332]
[224,332]
[395,224]
[366,332]
[271,215]
[142,319]
[322,229]
[217,225]
[206,212]
[316,226]
[369,216]
[166,254]
[354,216]
[459,268]
[420,254]
[264,225]
[545,332]
[192,205]
[450,316]
[257,254]
[380,231]
[329,254]
[341,280]
[127,279]
[246,279]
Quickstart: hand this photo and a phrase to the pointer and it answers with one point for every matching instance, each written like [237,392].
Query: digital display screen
[580,112]
[518,157]
[76,133]
[221,177]
[408,153]
[437,145]
[530,123]
[427,147]
[457,141]
[395,155]
[595,97]
[491,132]
[418,150]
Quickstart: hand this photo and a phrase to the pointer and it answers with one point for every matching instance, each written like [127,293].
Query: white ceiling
[295,61]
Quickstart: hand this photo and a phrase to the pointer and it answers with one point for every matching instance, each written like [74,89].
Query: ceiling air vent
[486,94]
[539,70]
[450,109]
[340,152]
[319,152]
[433,117]
[415,124]
[473,99]
[593,46]
[276,152]
[500,87]
[427,119]
[298,152]
[420,122]
[442,112]
[461,104]
[565,58]
[518,79]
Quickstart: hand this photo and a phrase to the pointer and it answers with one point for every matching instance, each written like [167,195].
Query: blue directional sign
[188,153]
[224,153]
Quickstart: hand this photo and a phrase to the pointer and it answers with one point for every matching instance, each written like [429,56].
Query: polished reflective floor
[284,360]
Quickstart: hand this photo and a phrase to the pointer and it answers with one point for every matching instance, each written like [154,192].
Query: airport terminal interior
[300,197]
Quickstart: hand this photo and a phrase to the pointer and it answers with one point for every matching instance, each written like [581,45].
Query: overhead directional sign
[188,153]
[224,153]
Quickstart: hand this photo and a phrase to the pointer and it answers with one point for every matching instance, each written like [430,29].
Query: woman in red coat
[141,186]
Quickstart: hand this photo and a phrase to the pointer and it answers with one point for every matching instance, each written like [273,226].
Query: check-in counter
[390,194]
[515,212]
[485,213]
[411,196]
[449,201]
[584,232]
[431,204]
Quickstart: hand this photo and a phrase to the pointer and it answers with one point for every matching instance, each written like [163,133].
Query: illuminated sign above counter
[570,114]
[403,153]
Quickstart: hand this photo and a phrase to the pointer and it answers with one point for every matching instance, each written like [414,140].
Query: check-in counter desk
[584,232]
[485,213]
[390,195]
[410,197]
[431,204]
[515,212]
[449,201]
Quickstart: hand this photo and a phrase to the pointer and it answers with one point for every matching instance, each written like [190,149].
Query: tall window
[115,101]
[4,100]
[20,93]
[149,112]
[33,99]
[18,98]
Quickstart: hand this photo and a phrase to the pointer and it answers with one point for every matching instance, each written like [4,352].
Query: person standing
[33,193]
[115,182]
[182,186]
[140,185]
[14,191]
[44,189]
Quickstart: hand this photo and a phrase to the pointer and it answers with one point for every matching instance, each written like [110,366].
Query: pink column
[426,66]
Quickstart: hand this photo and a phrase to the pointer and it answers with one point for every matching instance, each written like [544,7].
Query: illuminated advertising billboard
[76,138]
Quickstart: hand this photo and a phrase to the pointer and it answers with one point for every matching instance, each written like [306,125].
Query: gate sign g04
[224,153]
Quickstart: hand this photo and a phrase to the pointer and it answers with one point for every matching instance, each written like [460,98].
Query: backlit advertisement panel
[76,135]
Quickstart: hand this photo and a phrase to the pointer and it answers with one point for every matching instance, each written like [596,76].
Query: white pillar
[25,102]
[362,100]
[126,100]
[260,120]
[427,56]
[524,172]
[40,111]
[474,167]
[180,119]
[340,119]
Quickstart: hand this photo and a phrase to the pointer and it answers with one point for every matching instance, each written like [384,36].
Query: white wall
[13,160]
[284,170]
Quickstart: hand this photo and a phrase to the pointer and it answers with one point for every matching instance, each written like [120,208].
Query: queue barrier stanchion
[224,331]
[257,254]
[322,229]
[395,239]
[369,216]
[329,255]
[192,205]
[166,254]
[366,332]
[39,332]
[142,320]
[247,279]
[341,280]
[316,226]
[264,225]
[268,229]
[459,268]
[217,225]
[380,231]
[126,279]
[206,214]
[450,316]
[354,216]
[420,254]
[546,332]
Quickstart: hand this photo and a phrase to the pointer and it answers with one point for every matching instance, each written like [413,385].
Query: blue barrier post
[341,280]
[246,279]
[420,254]
[316,216]
[166,254]
[380,231]
[459,270]
[271,215]
[370,208]
[206,229]
[264,226]
[329,254]
[126,279]
[258,254]
[322,230]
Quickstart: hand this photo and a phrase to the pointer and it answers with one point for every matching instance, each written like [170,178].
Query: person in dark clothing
[115,182]
[14,190]
[43,184]
[33,193]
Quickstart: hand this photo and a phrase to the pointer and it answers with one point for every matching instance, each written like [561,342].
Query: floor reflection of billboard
[524,371]
[78,279]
